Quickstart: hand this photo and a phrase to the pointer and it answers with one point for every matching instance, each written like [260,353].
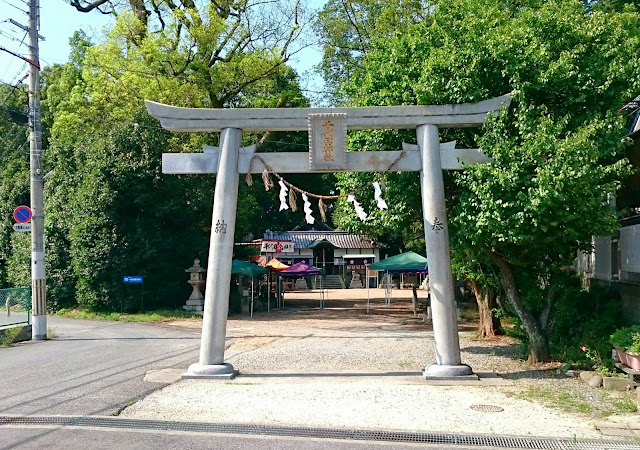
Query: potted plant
[626,342]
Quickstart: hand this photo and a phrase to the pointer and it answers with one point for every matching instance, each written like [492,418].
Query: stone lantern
[196,280]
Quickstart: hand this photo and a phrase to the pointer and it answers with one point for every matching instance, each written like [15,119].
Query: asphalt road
[97,368]
[91,367]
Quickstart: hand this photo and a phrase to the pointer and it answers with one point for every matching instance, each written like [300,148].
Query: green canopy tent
[409,262]
[239,267]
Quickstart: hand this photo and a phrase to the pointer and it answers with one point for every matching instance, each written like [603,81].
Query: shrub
[627,338]
[586,319]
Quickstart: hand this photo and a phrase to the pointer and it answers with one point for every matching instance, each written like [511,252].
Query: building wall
[615,261]
[630,294]
[603,269]
[630,249]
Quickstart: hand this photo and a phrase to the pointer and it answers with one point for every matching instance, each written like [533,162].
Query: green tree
[14,182]
[225,48]
[348,28]
[557,150]
[110,210]
[123,217]
[481,280]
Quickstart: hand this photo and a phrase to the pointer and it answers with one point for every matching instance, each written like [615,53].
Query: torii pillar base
[223,371]
[445,372]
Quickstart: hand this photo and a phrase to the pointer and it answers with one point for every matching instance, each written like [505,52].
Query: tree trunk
[489,325]
[538,348]
[538,340]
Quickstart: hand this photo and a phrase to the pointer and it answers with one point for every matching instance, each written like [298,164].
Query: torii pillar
[441,283]
[327,153]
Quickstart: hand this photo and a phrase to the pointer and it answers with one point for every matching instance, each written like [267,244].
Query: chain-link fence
[15,306]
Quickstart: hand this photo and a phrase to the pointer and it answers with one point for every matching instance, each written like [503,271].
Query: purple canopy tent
[303,269]
[300,269]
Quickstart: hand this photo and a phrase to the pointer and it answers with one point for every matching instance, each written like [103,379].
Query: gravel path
[358,405]
[310,367]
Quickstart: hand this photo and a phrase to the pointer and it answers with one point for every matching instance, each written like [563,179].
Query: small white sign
[276,247]
[22,226]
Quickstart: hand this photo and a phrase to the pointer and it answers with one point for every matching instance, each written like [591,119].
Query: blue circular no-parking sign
[22,214]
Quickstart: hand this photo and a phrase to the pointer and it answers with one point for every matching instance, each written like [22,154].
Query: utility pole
[38,280]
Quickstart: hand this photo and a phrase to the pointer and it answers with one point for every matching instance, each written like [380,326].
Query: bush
[585,319]
[627,338]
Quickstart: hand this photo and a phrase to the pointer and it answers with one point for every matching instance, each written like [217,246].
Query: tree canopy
[14,183]
[348,29]
[109,209]
[229,49]
[556,152]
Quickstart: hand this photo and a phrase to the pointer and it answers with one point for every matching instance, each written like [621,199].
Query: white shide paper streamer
[283,195]
[307,210]
[377,195]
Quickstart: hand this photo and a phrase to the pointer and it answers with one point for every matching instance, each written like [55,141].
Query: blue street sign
[132,279]
[22,214]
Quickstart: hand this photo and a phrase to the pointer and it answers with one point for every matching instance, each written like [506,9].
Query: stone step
[330,282]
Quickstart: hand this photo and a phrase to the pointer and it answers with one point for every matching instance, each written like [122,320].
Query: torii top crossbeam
[296,119]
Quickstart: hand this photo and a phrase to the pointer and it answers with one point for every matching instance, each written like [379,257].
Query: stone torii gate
[327,129]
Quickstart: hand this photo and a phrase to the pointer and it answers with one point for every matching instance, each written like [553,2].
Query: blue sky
[58,21]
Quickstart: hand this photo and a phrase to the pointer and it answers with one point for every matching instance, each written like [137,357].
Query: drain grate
[487,408]
[511,442]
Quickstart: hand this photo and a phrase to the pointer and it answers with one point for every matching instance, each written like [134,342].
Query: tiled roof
[302,239]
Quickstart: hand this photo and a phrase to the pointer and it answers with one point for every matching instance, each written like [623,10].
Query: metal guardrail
[15,306]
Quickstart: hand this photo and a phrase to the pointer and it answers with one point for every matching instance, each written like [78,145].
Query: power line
[9,66]
[15,88]
[9,133]
[10,32]
[15,81]
[19,148]
[14,77]
[12,85]
[24,58]
[8,36]
[16,7]
[15,139]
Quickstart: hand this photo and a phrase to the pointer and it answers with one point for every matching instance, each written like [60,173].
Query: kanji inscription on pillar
[437,225]
[327,141]
[221,227]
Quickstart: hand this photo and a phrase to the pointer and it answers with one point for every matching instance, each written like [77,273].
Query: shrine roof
[304,239]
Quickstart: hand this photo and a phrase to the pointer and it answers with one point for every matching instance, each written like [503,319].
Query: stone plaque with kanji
[327,141]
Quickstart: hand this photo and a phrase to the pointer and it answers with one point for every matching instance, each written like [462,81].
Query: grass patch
[51,333]
[626,405]
[9,335]
[556,398]
[579,399]
[406,364]
[159,316]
